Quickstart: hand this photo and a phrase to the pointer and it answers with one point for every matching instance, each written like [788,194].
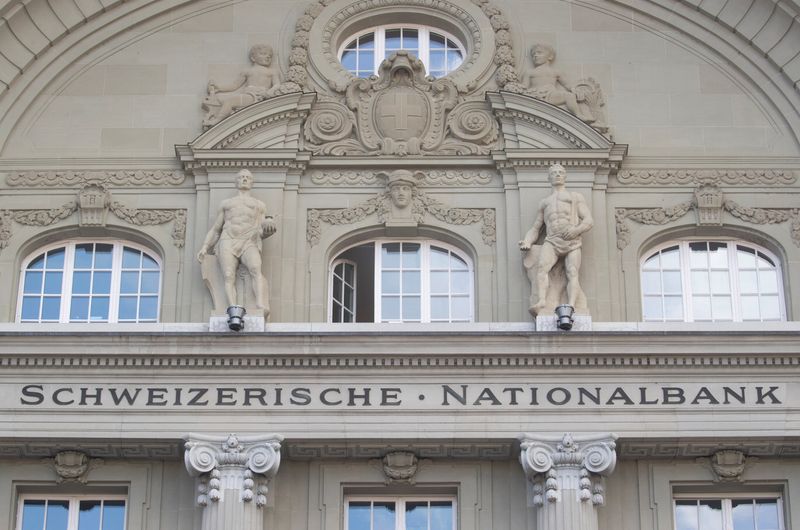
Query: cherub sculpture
[254,84]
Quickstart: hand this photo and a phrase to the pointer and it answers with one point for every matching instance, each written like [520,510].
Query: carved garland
[445,177]
[421,205]
[711,176]
[661,216]
[138,217]
[106,178]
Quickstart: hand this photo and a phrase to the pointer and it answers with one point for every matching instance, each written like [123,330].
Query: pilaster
[233,473]
[567,477]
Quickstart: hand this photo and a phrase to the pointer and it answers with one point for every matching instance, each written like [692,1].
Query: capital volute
[595,453]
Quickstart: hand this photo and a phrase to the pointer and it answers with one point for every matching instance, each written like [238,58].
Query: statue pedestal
[549,323]
[219,324]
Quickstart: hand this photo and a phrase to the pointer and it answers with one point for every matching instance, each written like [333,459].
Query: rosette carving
[328,122]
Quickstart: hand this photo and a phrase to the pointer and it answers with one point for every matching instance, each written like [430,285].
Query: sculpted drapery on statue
[236,238]
[565,217]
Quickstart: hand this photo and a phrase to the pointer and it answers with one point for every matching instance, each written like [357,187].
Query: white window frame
[425,273]
[331,298]
[69,268]
[400,502]
[733,270]
[727,510]
[423,35]
[74,503]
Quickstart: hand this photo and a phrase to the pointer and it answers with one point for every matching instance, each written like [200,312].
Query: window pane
[440,258]
[652,263]
[651,282]
[698,255]
[83,256]
[745,257]
[367,42]
[349,60]
[454,60]
[718,255]
[383,516]
[148,308]
[721,308]
[148,262]
[33,282]
[460,282]
[417,515]
[81,281]
[30,308]
[748,282]
[652,308]
[437,61]
[767,514]
[750,309]
[672,282]
[349,273]
[439,282]
[390,282]
[33,515]
[720,283]
[51,308]
[131,259]
[89,515]
[392,41]
[770,307]
[101,283]
[701,305]
[411,282]
[390,308]
[460,308]
[113,515]
[102,256]
[79,309]
[440,308]
[57,515]
[150,282]
[411,255]
[358,516]
[743,515]
[768,281]
[127,308]
[673,307]
[37,263]
[99,308]
[52,282]
[410,39]
[390,255]
[670,259]
[686,515]
[55,259]
[437,42]
[710,515]
[700,282]
[129,282]
[441,515]
[411,308]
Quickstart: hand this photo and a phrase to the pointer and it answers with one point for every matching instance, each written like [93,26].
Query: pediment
[530,123]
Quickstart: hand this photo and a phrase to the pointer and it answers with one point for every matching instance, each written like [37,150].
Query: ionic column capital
[259,454]
[593,452]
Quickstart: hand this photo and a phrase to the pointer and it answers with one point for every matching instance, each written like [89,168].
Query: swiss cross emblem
[401,113]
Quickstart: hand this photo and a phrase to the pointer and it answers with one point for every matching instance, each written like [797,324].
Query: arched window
[90,281]
[711,281]
[440,52]
[402,281]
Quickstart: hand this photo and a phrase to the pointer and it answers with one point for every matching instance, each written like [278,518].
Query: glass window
[402,281]
[71,513]
[90,281]
[711,281]
[733,513]
[400,514]
[440,52]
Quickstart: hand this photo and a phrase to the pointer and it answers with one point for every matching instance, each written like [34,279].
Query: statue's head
[261,54]
[557,175]
[401,184]
[244,180]
[542,54]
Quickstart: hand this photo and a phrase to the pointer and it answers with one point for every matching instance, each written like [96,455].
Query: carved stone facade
[408,363]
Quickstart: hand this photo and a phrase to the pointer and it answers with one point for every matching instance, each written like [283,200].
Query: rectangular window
[745,512]
[71,513]
[400,513]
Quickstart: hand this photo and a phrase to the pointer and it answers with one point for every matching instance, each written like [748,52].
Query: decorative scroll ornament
[709,203]
[671,177]
[383,205]
[73,466]
[448,177]
[566,474]
[401,112]
[134,178]
[728,465]
[94,202]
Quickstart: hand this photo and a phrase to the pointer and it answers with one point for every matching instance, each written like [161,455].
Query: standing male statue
[566,218]
[237,233]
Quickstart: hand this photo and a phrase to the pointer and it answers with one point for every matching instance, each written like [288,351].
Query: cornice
[672,449]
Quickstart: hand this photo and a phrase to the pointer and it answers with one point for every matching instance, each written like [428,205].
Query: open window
[401,281]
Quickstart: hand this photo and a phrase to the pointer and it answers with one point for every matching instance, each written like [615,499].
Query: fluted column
[233,473]
[567,476]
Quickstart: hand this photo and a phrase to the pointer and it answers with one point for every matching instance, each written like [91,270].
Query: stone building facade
[398,367]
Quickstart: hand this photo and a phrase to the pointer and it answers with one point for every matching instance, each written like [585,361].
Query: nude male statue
[237,233]
[566,218]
